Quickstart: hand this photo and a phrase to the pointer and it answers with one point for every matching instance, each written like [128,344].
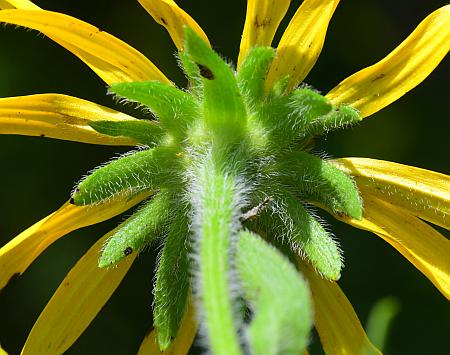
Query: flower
[391,215]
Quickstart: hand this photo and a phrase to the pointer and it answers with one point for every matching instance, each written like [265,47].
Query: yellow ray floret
[375,87]
[335,320]
[424,193]
[182,342]
[422,245]
[110,58]
[302,42]
[76,302]
[18,4]
[58,116]
[20,252]
[174,19]
[261,22]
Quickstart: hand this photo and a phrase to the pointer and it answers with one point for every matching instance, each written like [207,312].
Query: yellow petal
[424,193]
[182,342]
[76,302]
[18,4]
[422,245]
[261,23]
[168,14]
[149,345]
[20,252]
[302,42]
[110,58]
[375,87]
[336,322]
[3,352]
[58,116]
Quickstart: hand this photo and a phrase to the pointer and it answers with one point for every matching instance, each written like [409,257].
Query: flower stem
[216,213]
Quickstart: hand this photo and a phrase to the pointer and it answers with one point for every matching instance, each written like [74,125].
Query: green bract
[231,157]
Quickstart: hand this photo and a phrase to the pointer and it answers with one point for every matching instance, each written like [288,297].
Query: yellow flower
[397,198]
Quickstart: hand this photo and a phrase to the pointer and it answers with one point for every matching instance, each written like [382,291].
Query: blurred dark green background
[37,174]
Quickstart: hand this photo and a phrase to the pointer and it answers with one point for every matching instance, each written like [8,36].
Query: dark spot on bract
[128,250]
[72,201]
[205,72]
[42,135]
[163,21]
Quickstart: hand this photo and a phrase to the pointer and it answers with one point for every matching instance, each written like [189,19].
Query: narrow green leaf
[143,131]
[172,281]
[174,107]
[136,232]
[380,320]
[316,180]
[223,107]
[278,296]
[252,73]
[129,174]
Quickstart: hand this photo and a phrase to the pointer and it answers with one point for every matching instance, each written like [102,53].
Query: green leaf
[129,174]
[136,232]
[278,296]
[172,282]
[223,107]
[175,108]
[380,320]
[143,131]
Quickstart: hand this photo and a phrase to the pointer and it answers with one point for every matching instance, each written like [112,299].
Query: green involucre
[316,180]
[129,174]
[278,296]
[143,131]
[192,72]
[175,108]
[287,219]
[224,112]
[172,281]
[252,74]
[141,228]
[224,141]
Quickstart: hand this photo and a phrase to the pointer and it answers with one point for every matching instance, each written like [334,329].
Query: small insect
[128,250]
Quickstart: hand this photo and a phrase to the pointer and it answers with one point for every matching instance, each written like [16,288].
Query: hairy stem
[217,219]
